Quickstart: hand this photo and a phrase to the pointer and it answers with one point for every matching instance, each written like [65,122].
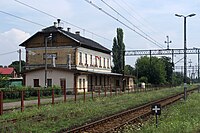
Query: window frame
[36,83]
[80,58]
[49,82]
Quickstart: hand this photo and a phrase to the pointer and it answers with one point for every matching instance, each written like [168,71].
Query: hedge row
[15,92]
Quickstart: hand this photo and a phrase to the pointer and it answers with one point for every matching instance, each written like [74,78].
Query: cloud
[9,41]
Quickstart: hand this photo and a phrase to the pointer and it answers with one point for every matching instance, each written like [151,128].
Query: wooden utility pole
[20,61]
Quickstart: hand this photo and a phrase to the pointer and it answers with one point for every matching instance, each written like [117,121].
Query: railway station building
[68,60]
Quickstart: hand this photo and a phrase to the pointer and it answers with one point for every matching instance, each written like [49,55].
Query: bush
[14,92]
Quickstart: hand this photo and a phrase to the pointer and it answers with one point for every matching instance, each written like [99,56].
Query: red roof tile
[6,71]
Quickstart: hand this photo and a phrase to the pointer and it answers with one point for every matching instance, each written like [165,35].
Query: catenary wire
[62,20]
[131,23]
[94,5]
[30,21]
[8,53]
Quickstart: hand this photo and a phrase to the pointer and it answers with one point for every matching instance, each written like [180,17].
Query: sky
[151,18]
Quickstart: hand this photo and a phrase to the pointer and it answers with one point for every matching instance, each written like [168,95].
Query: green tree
[168,68]
[117,51]
[143,79]
[178,78]
[129,70]
[153,70]
[3,81]
[15,64]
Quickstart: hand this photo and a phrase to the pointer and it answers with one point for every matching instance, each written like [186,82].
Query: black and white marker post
[156,109]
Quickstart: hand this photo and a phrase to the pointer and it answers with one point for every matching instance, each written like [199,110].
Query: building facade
[69,60]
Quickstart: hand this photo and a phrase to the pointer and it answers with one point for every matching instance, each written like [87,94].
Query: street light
[46,41]
[185,56]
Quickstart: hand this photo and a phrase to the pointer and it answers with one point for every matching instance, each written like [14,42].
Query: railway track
[114,122]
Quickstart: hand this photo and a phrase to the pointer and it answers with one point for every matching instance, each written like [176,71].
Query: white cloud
[9,42]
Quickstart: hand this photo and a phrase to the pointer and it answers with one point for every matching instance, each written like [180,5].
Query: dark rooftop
[85,42]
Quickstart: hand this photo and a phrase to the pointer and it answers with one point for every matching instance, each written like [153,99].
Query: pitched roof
[6,71]
[85,42]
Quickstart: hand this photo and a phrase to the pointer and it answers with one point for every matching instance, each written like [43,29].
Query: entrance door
[63,83]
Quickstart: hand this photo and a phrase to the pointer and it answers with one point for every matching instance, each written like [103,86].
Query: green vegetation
[180,118]
[153,69]
[15,64]
[3,81]
[12,94]
[65,115]
[117,50]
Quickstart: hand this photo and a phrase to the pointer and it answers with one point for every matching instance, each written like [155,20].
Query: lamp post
[185,56]
[45,72]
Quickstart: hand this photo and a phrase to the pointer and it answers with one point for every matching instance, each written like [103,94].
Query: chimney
[58,22]
[55,24]
[77,33]
[68,29]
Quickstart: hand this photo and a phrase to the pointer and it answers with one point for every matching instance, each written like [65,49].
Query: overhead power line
[128,9]
[131,23]
[52,16]
[30,21]
[94,5]
[8,53]
[139,15]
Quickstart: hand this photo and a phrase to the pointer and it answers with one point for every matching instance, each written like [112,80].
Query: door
[63,83]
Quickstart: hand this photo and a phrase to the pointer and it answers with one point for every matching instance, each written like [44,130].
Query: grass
[183,117]
[65,115]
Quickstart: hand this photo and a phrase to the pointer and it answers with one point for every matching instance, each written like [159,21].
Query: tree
[3,81]
[168,68]
[143,79]
[129,70]
[153,70]
[178,78]
[15,64]
[117,51]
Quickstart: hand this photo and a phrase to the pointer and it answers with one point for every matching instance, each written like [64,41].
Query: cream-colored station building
[72,61]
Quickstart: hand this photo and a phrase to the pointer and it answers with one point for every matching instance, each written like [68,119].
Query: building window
[63,83]
[104,62]
[86,59]
[80,59]
[90,60]
[69,60]
[36,83]
[95,61]
[100,62]
[83,83]
[108,66]
[49,82]
[80,83]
